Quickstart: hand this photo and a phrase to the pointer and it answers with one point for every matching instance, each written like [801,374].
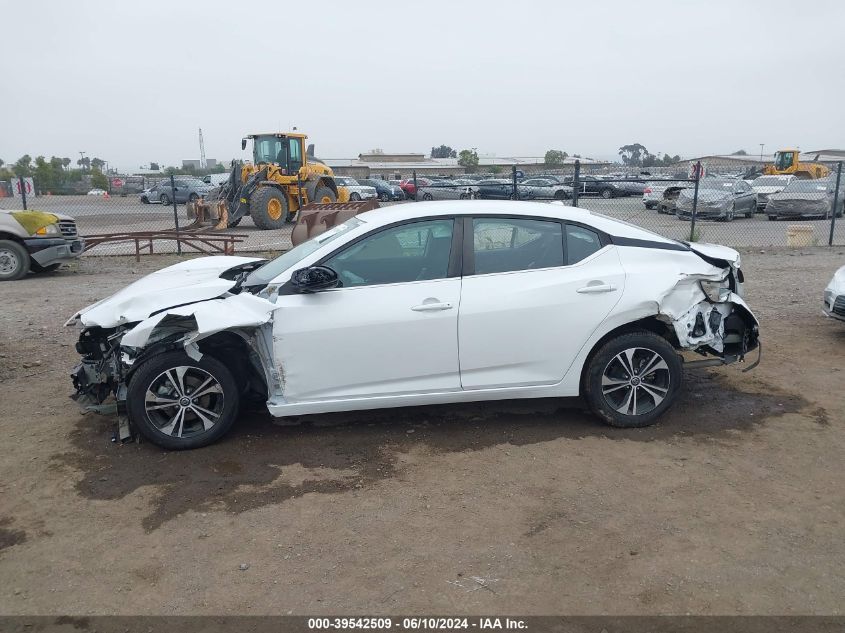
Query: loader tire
[324,194]
[269,208]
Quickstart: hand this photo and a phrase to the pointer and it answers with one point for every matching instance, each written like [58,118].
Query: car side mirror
[314,279]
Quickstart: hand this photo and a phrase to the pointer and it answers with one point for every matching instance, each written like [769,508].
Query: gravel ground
[732,504]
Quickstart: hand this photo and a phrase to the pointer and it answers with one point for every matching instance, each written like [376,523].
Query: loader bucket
[315,218]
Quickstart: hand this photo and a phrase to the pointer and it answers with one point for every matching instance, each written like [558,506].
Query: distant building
[210,163]
[397,166]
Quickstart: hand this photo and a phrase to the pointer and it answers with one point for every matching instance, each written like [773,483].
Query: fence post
[416,199]
[835,203]
[694,202]
[576,182]
[175,214]
[513,179]
[22,185]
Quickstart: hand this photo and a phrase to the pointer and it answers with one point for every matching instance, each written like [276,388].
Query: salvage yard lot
[733,503]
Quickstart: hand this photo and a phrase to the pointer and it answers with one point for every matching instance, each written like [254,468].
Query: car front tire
[633,379]
[354,197]
[178,403]
[164,199]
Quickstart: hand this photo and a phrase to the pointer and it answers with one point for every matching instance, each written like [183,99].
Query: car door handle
[431,307]
[593,288]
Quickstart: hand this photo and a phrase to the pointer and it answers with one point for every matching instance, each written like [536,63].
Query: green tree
[84,163]
[23,166]
[99,180]
[65,163]
[170,171]
[468,159]
[555,157]
[444,151]
[98,163]
[740,152]
[633,154]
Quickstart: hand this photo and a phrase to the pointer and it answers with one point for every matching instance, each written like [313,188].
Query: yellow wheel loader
[281,179]
[787,163]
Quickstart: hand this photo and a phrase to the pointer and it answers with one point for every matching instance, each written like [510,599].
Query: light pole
[762,145]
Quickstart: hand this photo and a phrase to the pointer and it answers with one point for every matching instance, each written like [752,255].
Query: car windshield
[712,183]
[272,269]
[807,186]
[768,181]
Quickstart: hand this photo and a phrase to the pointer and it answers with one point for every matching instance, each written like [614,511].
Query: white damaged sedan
[421,304]
[834,296]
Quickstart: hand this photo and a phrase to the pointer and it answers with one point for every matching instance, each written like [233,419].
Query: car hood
[711,252]
[785,195]
[774,189]
[187,282]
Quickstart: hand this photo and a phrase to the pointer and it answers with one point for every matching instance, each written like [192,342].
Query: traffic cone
[106,195]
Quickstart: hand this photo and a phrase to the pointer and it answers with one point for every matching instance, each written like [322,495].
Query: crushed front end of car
[174,308]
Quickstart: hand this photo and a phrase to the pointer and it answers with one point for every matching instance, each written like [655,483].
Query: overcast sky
[131,82]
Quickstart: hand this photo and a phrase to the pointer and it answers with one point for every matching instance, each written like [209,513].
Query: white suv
[356,190]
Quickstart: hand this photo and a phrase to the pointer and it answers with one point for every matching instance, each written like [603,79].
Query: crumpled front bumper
[47,251]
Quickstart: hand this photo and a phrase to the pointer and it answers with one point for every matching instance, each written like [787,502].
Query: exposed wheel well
[649,323]
[233,351]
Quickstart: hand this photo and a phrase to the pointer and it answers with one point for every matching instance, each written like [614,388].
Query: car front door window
[410,252]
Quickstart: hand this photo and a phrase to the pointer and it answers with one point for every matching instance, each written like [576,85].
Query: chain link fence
[716,203]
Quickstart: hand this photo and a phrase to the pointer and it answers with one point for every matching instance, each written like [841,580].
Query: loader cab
[284,150]
[785,159]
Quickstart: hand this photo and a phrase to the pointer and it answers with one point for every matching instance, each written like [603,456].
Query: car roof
[553,210]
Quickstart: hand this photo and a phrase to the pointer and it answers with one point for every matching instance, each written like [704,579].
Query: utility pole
[202,152]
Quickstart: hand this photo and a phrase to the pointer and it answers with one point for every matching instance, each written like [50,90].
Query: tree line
[632,155]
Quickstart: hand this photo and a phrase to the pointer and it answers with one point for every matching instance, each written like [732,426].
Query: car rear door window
[410,252]
[509,244]
[580,243]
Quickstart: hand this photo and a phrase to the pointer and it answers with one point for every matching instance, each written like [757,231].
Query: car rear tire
[354,197]
[164,199]
[632,379]
[269,208]
[14,261]
[179,403]
[607,194]
[384,197]
[427,196]
[193,197]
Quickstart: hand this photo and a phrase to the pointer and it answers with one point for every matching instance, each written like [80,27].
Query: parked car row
[182,190]
[724,198]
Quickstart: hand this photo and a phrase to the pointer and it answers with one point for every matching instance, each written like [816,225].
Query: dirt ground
[733,504]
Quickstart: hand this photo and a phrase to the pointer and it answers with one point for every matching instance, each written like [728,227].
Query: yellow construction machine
[787,163]
[282,178]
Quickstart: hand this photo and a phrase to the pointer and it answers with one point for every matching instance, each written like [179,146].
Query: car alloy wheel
[636,381]
[607,194]
[178,403]
[384,197]
[184,401]
[164,199]
[354,197]
[427,196]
